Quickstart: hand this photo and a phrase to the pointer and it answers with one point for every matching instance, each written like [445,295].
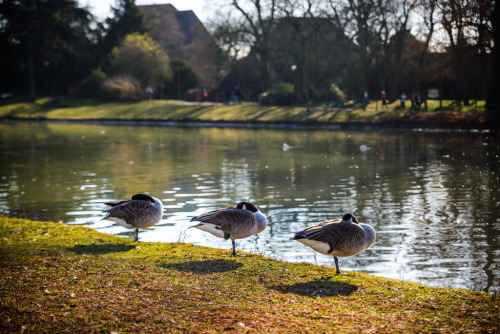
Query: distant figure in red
[384,99]
[413,101]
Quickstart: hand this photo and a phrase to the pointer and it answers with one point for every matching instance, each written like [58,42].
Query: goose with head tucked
[141,211]
[233,223]
[338,237]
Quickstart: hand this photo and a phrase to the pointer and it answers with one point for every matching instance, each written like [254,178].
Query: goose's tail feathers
[194,225]
[298,236]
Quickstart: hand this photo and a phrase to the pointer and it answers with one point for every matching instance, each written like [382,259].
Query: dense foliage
[279,94]
[46,45]
[141,58]
[183,79]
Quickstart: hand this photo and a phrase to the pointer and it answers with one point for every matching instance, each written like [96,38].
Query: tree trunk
[493,95]
[31,74]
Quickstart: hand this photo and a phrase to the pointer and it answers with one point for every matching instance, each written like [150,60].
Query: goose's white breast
[318,246]
[120,222]
[211,228]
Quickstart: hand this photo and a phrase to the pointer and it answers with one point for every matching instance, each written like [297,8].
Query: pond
[433,198]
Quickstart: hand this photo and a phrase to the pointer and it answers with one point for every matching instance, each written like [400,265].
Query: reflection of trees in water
[236,181]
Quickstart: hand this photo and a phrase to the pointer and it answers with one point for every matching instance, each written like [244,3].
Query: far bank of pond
[210,114]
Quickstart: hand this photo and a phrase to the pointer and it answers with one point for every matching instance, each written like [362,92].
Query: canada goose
[140,212]
[338,237]
[233,223]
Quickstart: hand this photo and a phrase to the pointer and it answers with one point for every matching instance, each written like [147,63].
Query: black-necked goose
[141,211]
[338,237]
[233,223]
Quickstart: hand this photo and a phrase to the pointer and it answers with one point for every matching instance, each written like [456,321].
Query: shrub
[333,93]
[90,86]
[141,57]
[122,88]
[183,78]
[279,94]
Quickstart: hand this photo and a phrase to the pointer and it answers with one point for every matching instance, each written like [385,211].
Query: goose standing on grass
[338,237]
[233,223]
[140,212]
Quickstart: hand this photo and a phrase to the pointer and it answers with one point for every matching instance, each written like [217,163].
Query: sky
[100,8]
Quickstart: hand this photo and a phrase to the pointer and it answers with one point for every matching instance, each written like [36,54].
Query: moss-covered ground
[161,110]
[59,278]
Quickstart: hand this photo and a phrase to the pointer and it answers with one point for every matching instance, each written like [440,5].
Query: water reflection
[433,198]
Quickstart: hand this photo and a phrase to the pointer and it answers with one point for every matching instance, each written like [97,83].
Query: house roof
[187,19]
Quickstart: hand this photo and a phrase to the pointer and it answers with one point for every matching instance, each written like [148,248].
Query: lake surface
[433,198]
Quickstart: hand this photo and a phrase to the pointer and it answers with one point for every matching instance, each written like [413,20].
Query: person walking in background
[227,98]
[412,100]
[417,101]
[384,100]
[237,95]
[403,99]
[149,91]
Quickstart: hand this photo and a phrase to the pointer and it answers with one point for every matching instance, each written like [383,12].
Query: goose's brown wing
[134,212]
[339,236]
[230,220]
[116,203]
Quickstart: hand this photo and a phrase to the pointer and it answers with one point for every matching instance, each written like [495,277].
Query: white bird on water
[233,223]
[141,211]
[338,237]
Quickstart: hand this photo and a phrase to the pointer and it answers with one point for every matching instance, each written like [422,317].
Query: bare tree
[257,25]
[468,42]
[357,19]
[371,45]
[306,50]
[396,40]
[232,41]
[378,30]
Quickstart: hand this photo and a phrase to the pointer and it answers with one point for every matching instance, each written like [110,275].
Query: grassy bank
[64,278]
[161,110]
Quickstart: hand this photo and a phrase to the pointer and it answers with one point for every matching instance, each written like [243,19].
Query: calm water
[433,198]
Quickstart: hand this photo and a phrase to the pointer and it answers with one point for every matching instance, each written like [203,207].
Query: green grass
[161,110]
[434,105]
[64,278]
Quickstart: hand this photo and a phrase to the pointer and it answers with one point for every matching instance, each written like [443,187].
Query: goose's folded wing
[133,211]
[116,203]
[227,218]
[321,231]
[338,235]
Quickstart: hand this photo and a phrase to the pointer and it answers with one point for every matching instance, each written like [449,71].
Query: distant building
[183,36]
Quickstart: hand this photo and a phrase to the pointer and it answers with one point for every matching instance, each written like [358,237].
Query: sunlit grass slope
[161,110]
[65,278]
